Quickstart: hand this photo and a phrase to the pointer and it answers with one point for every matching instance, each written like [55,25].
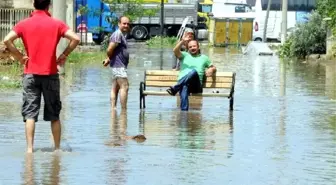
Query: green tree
[130,8]
[327,8]
[308,38]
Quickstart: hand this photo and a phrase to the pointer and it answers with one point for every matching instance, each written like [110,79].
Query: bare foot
[29,150]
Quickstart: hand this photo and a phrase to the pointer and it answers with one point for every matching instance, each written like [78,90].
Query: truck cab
[204,11]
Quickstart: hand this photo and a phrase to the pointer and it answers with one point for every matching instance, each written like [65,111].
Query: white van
[275,17]
[227,8]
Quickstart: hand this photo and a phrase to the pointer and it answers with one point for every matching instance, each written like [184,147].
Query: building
[26,4]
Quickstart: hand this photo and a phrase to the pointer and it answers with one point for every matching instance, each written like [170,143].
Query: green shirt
[189,62]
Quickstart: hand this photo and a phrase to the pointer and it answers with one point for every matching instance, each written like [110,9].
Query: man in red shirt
[40,34]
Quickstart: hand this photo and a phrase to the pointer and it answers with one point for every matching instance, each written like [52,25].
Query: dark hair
[119,20]
[41,4]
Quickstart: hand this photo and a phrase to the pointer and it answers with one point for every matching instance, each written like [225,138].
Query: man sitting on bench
[192,69]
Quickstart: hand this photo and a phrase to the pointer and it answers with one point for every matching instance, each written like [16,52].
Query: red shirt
[40,34]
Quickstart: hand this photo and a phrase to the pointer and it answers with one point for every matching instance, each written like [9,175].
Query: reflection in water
[282,78]
[29,171]
[189,130]
[50,169]
[52,173]
[195,102]
[116,163]
[118,128]
[330,82]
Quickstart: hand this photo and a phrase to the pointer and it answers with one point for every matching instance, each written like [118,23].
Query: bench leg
[144,101]
[141,94]
[231,103]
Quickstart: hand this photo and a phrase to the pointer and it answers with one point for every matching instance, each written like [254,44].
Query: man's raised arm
[177,49]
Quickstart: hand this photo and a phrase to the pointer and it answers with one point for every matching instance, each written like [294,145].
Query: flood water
[282,131]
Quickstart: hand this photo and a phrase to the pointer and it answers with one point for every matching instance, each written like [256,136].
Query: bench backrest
[165,78]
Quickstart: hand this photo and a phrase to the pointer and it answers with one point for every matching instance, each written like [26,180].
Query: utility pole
[284,21]
[59,12]
[162,17]
[162,32]
[266,20]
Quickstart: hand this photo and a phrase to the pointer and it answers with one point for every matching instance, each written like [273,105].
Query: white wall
[23,3]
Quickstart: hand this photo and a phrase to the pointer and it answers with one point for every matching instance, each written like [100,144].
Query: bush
[308,38]
[162,41]
[104,44]
[333,51]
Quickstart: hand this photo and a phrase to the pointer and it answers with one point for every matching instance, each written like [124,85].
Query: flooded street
[282,129]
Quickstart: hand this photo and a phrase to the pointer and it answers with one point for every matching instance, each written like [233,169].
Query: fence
[9,17]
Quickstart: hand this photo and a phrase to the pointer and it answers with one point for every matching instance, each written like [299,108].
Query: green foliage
[308,38]
[333,51]
[105,43]
[130,8]
[285,49]
[11,76]
[327,8]
[85,57]
[162,41]
[83,10]
[133,9]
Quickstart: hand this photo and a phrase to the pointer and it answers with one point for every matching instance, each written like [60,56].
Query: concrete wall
[23,3]
[6,3]
[16,3]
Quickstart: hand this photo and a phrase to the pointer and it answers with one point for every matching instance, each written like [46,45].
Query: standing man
[40,34]
[193,67]
[118,58]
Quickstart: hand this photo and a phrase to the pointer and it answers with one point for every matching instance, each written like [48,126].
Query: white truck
[174,14]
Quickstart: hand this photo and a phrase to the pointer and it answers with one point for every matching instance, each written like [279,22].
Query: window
[206,8]
[240,9]
[293,5]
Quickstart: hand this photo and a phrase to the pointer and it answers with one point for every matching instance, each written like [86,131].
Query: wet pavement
[282,131]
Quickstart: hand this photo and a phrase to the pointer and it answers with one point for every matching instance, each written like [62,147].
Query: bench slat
[164,93]
[174,79]
[172,83]
[175,73]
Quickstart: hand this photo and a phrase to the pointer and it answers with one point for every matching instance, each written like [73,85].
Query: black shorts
[33,87]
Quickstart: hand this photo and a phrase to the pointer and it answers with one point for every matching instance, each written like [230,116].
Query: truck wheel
[139,32]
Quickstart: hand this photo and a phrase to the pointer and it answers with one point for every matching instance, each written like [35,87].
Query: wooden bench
[163,79]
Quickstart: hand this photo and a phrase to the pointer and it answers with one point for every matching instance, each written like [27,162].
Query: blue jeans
[190,83]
